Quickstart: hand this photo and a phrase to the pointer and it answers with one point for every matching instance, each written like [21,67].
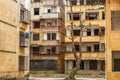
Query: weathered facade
[47,28]
[113,39]
[24,37]
[10,28]
[93,39]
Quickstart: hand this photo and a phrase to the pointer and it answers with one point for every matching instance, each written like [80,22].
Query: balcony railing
[50,28]
[50,15]
[50,42]
[39,52]
[50,2]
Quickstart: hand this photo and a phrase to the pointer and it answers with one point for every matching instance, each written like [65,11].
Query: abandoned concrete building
[50,36]
[14,52]
[47,27]
[93,39]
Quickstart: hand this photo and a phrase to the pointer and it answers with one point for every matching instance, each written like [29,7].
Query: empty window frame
[73,2]
[91,2]
[35,36]
[96,32]
[96,47]
[115,20]
[103,31]
[75,16]
[36,24]
[116,60]
[103,15]
[36,0]
[77,47]
[35,50]
[49,10]
[91,16]
[36,11]
[88,48]
[88,32]
[76,32]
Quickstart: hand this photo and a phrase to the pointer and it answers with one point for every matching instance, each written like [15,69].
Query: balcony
[50,42]
[50,15]
[87,55]
[86,23]
[50,3]
[44,55]
[85,39]
[50,28]
[77,8]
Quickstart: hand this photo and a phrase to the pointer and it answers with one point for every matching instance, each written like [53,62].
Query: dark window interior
[91,16]
[77,47]
[96,47]
[36,0]
[74,2]
[103,15]
[36,11]
[76,32]
[48,36]
[53,36]
[76,16]
[116,61]
[36,24]
[36,36]
[22,39]
[88,48]
[96,32]
[35,50]
[49,11]
[88,32]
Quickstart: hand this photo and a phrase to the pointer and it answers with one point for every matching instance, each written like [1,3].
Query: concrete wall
[9,37]
[112,39]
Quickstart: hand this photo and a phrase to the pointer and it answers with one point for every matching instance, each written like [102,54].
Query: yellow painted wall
[112,40]
[8,38]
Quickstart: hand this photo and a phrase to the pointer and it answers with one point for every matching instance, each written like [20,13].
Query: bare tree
[79,55]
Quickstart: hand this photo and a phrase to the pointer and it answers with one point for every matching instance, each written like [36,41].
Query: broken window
[91,16]
[96,47]
[88,32]
[76,32]
[115,19]
[35,50]
[116,60]
[96,32]
[36,36]
[36,11]
[36,24]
